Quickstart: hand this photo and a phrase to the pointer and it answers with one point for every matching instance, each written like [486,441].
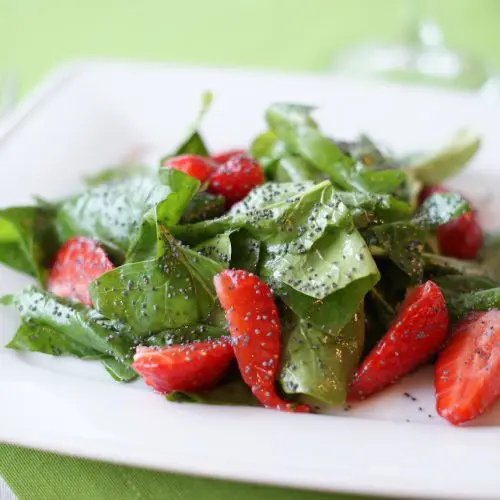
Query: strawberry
[78,262]
[467,373]
[255,329]
[224,156]
[189,367]
[196,166]
[236,178]
[416,333]
[462,237]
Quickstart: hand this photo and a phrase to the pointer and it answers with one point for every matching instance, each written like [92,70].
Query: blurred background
[305,35]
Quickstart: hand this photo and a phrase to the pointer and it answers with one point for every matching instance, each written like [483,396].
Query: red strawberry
[189,367]
[196,166]
[236,178]
[467,373]
[461,238]
[255,329]
[78,262]
[414,335]
[224,156]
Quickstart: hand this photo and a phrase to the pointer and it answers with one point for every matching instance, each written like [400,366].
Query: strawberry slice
[462,237]
[78,262]
[224,156]
[255,329]
[467,373]
[196,166]
[189,367]
[236,178]
[415,334]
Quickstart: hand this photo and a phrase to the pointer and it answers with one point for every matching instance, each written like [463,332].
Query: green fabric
[36,35]
[36,475]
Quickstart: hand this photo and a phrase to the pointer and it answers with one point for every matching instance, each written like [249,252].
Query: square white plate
[90,115]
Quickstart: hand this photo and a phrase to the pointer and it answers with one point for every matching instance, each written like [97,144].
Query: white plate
[89,115]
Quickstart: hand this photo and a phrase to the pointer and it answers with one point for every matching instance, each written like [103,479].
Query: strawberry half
[78,262]
[255,329]
[467,373]
[416,333]
[196,166]
[226,155]
[462,237]
[190,367]
[236,178]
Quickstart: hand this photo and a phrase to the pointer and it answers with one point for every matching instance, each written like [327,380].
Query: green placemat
[36,35]
[36,475]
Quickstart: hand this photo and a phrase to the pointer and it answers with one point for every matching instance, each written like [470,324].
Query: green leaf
[321,364]
[296,169]
[184,335]
[203,206]
[121,372]
[490,256]
[267,149]
[293,125]
[482,300]
[54,326]
[180,191]
[217,248]
[452,158]
[245,251]
[112,213]
[172,291]
[232,392]
[118,173]
[28,239]
[333,262]
[441,208]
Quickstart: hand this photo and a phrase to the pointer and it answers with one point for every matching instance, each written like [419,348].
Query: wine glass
[420,57]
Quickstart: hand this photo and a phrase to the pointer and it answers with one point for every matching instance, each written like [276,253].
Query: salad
[300,269]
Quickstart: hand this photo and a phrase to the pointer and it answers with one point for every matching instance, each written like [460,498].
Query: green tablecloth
[36,35]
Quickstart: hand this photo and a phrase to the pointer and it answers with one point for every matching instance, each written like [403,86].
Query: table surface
[37,35]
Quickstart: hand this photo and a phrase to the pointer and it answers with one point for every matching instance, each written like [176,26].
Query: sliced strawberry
[236,178]
[196,166]
[224,156]
[415,334]
[78,262]
[467,373]
[461,238]
[255,329]
[189,367]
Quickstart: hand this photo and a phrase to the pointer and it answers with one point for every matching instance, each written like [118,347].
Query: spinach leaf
[334,261]
[28,239]
[184,335]
[53,326]
[111,213]
[403,241]
[118,173]
[452,158]
[292,124]
[482,300]
[245,251]
[439,265]
[267,149]
[217,248]
[296,169]
[321,364]
[173,290]
[203,206]
[230,392]
[181,189]
[121,372]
